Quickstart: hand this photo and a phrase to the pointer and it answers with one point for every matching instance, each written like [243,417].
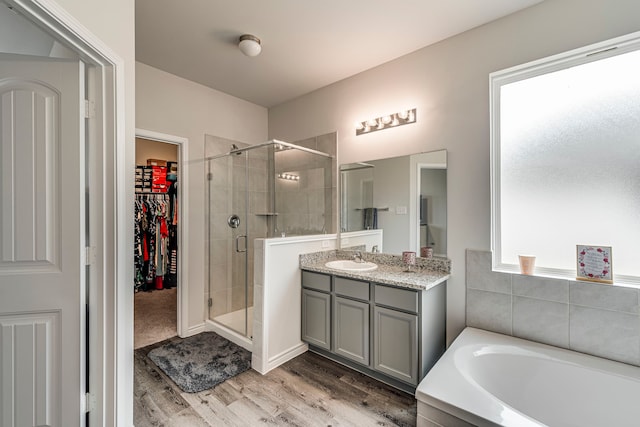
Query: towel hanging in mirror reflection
[370,218]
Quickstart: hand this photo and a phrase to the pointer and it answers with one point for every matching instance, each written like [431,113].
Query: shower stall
[269,190]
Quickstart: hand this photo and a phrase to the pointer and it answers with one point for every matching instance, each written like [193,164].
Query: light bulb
[359,125]
[403,114]
[372,122]
[386,120]
[250,45]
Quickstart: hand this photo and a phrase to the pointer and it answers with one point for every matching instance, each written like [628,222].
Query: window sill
[543,273]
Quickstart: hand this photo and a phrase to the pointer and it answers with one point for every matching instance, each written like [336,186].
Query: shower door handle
[238,243]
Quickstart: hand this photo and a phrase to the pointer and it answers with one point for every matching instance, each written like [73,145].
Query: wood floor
[306,391]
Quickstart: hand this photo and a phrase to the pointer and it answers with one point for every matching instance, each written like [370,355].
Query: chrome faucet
[374,249]
[357,256]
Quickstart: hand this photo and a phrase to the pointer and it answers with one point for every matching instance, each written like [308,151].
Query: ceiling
[306,44]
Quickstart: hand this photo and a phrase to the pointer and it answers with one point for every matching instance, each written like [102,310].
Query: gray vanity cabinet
[391,333]
[351,334]
[395,345]
[316,305]
[351,319]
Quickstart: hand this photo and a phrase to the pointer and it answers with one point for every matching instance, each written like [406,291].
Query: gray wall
[175,106]
[449,84]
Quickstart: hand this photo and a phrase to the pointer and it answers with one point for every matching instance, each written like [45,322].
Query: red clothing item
[145,249]
[164,230]
[159,284]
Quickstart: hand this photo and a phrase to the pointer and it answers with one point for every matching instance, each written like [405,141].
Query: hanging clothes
[150,239]
[171,276]
[153,228]
[139,246]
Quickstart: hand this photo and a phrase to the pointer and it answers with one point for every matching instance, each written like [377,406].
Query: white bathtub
[489,379]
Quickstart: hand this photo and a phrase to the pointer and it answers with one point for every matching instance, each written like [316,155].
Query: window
[565,159]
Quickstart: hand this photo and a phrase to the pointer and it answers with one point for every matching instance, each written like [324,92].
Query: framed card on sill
[594,263]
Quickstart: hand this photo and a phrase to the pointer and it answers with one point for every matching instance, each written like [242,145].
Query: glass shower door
[228,242]
[267,190]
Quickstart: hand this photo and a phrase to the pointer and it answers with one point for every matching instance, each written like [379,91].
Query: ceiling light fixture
[249,45]
[402,117]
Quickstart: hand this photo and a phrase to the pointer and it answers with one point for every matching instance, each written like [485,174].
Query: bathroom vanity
[385,323]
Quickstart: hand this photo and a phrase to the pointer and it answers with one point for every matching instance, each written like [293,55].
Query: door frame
[110,346]
[418,185]
[183,222]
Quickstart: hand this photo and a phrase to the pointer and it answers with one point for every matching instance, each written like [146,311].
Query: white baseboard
[193,330]
[285,356]
[257,364]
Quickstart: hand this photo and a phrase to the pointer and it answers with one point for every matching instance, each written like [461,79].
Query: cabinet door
[351,329]
[395,344]
[316,318]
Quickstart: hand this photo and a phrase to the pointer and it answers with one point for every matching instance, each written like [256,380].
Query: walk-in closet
[156,219]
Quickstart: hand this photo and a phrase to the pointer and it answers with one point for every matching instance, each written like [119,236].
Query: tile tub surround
[598,319]
[429,272]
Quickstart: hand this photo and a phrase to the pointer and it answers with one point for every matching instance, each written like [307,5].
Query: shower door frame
[243,231]
[233,241]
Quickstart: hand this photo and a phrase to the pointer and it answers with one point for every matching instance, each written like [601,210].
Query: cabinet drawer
[320,282]
[351,288]
[402,299]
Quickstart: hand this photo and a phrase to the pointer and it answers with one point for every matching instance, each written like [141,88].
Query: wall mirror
[404,196]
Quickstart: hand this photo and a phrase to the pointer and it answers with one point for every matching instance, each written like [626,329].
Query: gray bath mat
[202,361]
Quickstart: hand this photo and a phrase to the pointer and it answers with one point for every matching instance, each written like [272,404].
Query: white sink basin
[348,265]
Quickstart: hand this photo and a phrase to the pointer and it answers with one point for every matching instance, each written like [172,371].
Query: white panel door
[42,232]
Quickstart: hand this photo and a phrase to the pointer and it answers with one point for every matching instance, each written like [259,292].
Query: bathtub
[489,379]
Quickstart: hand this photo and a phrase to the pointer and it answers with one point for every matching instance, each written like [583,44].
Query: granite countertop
[428,272]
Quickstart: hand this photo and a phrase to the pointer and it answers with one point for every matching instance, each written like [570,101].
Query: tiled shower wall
[308,206]
[598,319]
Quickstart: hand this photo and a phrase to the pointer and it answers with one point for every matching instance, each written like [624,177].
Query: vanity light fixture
[402,117]
[289,176]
